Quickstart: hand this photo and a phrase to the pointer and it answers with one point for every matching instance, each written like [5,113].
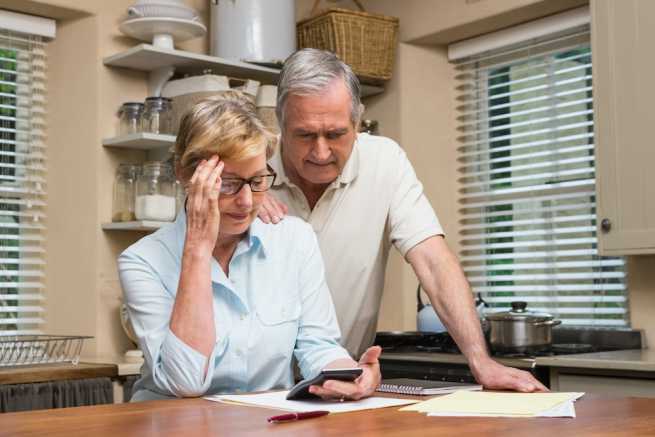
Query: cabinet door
[623,40]
[604,385]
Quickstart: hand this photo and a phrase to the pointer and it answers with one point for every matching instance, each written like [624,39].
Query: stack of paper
[278,400]
[491,404]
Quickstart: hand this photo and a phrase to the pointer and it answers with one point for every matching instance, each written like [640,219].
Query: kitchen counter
[621,372]
[640,360]
[88,367]
[55,372]
[124,367]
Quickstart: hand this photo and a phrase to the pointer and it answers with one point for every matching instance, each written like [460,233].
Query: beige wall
[83,294]
[416,110]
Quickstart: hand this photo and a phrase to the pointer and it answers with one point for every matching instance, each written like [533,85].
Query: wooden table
[597,416]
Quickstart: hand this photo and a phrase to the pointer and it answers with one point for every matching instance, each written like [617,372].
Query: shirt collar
[348,174]
[255,237]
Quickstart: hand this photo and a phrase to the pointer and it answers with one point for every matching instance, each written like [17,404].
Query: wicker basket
[366,42]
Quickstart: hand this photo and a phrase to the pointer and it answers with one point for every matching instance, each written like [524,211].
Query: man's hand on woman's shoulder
[272,210]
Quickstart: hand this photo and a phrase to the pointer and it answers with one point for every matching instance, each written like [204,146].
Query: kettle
[427,319]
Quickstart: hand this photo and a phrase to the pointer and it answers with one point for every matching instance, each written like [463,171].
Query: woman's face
[238,210]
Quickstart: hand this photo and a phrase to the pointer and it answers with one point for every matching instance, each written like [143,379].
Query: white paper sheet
[277,400]
[565,409]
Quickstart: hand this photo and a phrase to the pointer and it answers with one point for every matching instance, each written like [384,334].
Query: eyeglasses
[257,183]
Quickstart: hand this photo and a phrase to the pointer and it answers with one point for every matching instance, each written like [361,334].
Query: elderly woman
[220,301]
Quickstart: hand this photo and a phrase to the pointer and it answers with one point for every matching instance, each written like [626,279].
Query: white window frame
[541,278]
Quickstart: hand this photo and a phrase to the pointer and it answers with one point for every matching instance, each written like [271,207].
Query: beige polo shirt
[377,201]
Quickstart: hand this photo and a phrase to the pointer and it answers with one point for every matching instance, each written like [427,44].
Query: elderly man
[361,195]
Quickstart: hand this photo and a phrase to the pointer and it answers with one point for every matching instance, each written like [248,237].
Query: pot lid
[519,313]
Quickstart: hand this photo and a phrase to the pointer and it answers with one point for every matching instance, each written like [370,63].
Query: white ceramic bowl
[162,10]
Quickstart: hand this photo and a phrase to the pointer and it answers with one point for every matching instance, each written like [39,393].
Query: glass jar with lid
[155,192]
[157,115]
[124,190]
[130,115]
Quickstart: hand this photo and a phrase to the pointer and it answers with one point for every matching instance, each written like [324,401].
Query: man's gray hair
[309,72]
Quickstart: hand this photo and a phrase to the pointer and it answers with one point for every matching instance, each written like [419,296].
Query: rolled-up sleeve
[177,369]
[317,343]
[411,217]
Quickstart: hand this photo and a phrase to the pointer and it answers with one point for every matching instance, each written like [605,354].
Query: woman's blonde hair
[226,125]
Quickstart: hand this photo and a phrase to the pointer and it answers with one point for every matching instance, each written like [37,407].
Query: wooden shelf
[142,141]
[139,225]
[148,58]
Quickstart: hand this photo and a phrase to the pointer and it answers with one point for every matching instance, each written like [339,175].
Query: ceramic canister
[253,30]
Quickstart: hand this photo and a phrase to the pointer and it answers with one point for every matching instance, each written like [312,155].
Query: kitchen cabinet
[57,385]
[618,386]
[624,91]
[621,372]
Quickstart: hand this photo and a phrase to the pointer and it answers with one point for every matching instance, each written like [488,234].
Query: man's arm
[441,276]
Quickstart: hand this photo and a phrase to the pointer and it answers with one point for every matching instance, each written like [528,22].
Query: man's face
[318,135]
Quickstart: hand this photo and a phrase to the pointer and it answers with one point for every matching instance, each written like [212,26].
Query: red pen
[297,416]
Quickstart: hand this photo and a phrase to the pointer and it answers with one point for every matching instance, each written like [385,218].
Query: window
[526,161]
[22,182]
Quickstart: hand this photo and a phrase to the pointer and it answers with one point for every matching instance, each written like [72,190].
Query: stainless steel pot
[520,331]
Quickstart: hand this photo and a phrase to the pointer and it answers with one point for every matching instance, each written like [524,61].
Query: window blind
[527,181]
[22,182]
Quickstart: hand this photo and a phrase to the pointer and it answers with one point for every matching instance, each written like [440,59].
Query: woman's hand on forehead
[203,214]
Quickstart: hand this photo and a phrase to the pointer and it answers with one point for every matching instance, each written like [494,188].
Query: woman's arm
[192,320]
[175,330]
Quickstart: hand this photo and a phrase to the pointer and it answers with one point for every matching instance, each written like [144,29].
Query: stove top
[408,342]
[416,342]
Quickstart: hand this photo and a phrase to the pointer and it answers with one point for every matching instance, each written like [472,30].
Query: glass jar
[157,115]
[180,196]
[124,190]
[130,118]
[155,192]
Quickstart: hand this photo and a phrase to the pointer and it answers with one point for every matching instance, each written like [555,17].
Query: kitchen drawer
[619,386]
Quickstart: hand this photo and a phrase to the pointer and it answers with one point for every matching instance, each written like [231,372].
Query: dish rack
[23,350]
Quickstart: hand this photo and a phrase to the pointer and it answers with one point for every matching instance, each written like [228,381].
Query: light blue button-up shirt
[274,305]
